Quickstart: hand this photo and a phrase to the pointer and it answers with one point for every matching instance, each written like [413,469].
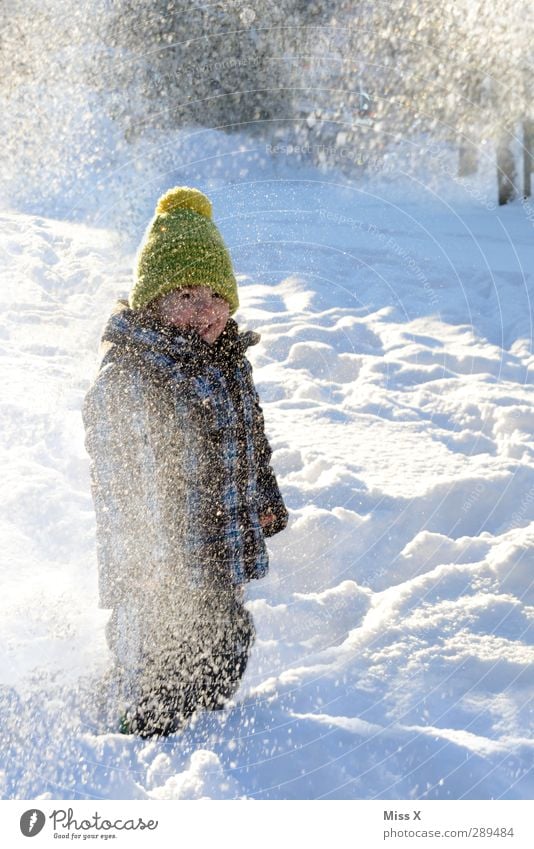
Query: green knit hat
[182,247]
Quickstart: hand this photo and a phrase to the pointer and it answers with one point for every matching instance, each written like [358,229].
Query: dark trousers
[179,653]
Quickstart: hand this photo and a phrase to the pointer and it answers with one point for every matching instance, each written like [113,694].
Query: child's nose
[205,306]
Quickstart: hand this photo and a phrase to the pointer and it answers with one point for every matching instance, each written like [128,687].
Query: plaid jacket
[179,459]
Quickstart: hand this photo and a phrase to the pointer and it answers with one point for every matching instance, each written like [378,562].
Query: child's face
[197,308]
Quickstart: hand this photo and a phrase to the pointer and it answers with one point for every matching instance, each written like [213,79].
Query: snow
[394,649]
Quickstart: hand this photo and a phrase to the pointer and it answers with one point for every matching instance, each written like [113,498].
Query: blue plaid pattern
[207,416]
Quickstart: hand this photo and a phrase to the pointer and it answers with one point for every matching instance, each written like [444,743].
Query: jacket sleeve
[270,498]
[131,536]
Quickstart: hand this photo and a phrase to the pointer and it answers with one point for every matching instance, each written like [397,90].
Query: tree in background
[458,75]
[184,62]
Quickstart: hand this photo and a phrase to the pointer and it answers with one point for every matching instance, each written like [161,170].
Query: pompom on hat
[182,247]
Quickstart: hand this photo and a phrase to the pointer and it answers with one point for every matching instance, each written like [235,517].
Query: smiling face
[195,307]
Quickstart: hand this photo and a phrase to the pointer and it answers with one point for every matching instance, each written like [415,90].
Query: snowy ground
[394,652]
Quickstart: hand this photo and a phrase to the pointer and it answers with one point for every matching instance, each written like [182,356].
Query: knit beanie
[182,247]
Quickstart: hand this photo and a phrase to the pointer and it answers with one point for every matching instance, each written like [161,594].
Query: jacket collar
[126,328]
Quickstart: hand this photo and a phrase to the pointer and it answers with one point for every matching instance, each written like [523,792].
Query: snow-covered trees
[184,62]
[354,84]
[457,72]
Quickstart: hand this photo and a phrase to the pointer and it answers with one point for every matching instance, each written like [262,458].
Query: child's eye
[184,296]
[216,295]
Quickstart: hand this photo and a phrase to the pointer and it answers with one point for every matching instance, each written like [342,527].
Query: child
[184,494]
